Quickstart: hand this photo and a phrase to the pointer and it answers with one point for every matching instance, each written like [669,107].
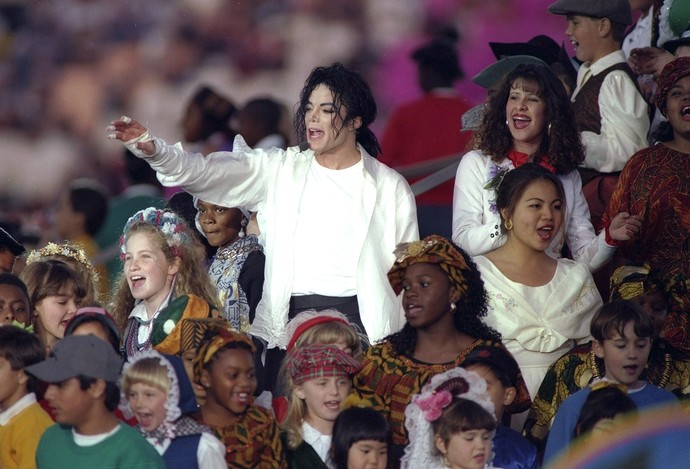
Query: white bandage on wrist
[131,144]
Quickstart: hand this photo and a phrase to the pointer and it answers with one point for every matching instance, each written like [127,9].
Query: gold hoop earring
[508,224]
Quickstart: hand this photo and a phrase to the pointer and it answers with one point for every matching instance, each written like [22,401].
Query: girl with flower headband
[159,395]
[224,366]
[163,281]
[237,268]
[319,381]
[444,301]
[55,293]
[76,258]
[529,119]
[451,423]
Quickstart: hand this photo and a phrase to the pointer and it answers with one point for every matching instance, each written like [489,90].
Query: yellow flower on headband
[353,400]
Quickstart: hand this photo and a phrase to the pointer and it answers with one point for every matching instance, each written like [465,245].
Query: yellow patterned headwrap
[433,249]
[629,281]
[216,338]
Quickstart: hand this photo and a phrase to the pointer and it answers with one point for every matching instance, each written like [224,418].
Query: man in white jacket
[331,214]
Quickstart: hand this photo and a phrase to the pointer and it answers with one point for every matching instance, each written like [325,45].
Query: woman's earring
[548,129]
[243,224]
[508,224]
[452,306]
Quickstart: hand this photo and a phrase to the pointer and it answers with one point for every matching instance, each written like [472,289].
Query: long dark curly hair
[467,316]
[560,138]
[349,90]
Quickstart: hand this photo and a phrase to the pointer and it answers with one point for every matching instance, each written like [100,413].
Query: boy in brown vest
[611,112]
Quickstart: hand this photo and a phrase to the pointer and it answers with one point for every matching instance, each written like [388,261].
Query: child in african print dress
[445,302]
[224,366]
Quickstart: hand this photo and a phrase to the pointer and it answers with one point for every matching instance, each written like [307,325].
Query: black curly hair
[467,316]
[561,140]
[350,91]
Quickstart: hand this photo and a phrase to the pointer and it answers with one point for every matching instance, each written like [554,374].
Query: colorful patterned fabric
[253,440]
[318,361]
[671,73]
[389,381]
[193,331]
[655,184]
[666,367]
[433,249]
[225,271]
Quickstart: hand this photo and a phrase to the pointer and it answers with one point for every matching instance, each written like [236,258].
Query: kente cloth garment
[165,327]
[655,184]
[667,367]
[539,324]
[253,440]
[390,380]
[225,275]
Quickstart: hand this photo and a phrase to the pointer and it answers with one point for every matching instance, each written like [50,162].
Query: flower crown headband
[173,227]
[66,250]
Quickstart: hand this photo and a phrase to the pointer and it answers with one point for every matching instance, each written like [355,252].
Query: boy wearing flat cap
[610,111]
[82,372]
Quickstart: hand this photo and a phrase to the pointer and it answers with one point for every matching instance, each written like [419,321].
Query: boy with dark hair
[611,113]
[22,420]
[501,372]
[622,333]
[80,214]
[9,250]
[82,372]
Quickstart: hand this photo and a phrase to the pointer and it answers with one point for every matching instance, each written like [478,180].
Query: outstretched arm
[132,134]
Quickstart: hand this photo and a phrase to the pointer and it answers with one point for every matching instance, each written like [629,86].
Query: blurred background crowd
[68,67]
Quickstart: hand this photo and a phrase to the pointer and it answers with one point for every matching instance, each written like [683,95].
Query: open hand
[624,226]
[130,131]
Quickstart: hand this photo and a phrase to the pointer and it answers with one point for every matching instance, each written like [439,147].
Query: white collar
[317,440]
[17,407]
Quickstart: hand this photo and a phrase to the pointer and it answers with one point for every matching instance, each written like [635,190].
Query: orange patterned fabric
[655,184]
[389,381]
[253,440]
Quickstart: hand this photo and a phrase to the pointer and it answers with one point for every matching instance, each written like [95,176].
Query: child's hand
[131,132]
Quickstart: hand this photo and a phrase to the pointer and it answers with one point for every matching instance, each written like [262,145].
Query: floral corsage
[496,175]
